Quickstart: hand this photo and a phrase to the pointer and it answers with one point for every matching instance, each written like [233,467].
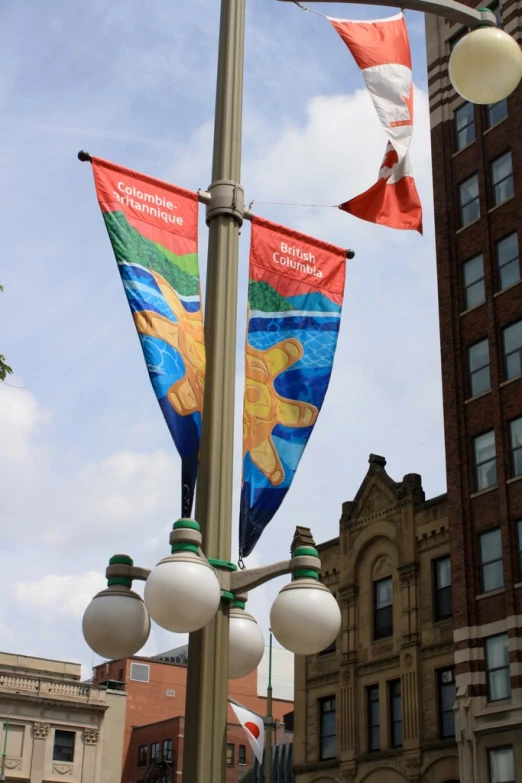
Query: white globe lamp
[116,623]
[246,643]
[486,65]
[305,617]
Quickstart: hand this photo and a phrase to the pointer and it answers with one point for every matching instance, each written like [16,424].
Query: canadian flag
[254,729]
[382,51]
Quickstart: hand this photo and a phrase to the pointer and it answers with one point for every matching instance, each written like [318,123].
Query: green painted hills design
[131,247]
[261,296]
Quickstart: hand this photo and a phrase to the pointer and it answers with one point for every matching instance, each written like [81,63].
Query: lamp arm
[448,9]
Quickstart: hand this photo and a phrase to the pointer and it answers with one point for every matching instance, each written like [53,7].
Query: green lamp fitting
[120,580]
[305,573]
[185,546]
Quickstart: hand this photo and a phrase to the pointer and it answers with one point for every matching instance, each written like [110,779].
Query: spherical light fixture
[485,66]
[116,623]
[305,617]
[246,643]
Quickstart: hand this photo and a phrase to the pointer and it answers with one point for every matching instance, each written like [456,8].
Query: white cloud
[60,594]
[22,418]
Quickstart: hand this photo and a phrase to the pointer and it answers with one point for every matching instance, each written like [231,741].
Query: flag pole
[269,719]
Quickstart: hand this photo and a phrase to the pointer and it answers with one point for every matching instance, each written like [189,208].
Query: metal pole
[4,752]
[207,677]
[269,718]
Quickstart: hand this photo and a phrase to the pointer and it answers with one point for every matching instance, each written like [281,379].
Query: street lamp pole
[207,676]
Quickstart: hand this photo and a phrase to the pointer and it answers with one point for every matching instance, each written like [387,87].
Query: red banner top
[300,262]
[379,42]
[149,204]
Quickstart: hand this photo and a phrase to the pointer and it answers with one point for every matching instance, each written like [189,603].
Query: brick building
[377,705]
[477,179]
[155,697]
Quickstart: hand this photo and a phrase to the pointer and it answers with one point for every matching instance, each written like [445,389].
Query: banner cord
[294,204]
[310,10]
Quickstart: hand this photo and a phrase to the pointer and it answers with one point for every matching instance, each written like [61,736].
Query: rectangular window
[383,608]
[508,261]
[63,745]
[485,460]
[154,752]
[442,574]
[464,125]
[512,340]
[395,714]
[501,765]
[497,112]
[447,693]
[230,754]
[327,729]
[515,433]
[491,560]
[469,201]
[166,751]
[502,178]
[142,756]
[474,292]
[497,667]
[374,722]
[242,755]
[479,374]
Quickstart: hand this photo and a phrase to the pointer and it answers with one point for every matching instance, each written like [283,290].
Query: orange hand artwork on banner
[186,336]
[264,407]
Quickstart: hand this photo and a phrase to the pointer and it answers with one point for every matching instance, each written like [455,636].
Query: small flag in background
[253,727]
[382,51]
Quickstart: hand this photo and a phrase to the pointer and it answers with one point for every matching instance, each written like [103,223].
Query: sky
[87,466]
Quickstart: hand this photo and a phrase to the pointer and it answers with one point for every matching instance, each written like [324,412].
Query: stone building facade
[378,705]
[55,727]
[477,182]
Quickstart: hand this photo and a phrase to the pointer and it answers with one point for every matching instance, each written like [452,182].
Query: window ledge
[497,206]
[490,593]
[477,397]
[510,380]
[471,309]
[517,585]
[454,155]
[514,479]
[507,288]
[492,710]
[483,491]
[473,222]
[496,125]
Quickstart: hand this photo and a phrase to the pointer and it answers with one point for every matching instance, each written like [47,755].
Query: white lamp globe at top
[486,65]
[246,644]
[116,623]
[182,593]
[305,617]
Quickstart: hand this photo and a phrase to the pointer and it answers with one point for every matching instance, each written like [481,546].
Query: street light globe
[116,623]
[305,617]
[246,644]
[486,65]
[182,593]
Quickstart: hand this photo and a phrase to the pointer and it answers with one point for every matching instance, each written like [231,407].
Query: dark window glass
[479,375]
[469,201]
[485,460]
[508,261]
[474,281]
[167,750]
[242,754]
[502,765]
[515,434]
[512,339]
[330,649]
[63,745]
[395,714]
[497,667]
[502,178]
[383,608]
[327,729]
[374,722]
[456,38]
[447,695]
[497,112]
[142,756]
[442,573]
[464,125]
[519,532]
[230,754]
[495,8]
[491,560]
[154,752]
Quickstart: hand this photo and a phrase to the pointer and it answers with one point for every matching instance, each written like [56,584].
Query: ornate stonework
[13,763]
[41,730]
[62,769]
[91,736]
